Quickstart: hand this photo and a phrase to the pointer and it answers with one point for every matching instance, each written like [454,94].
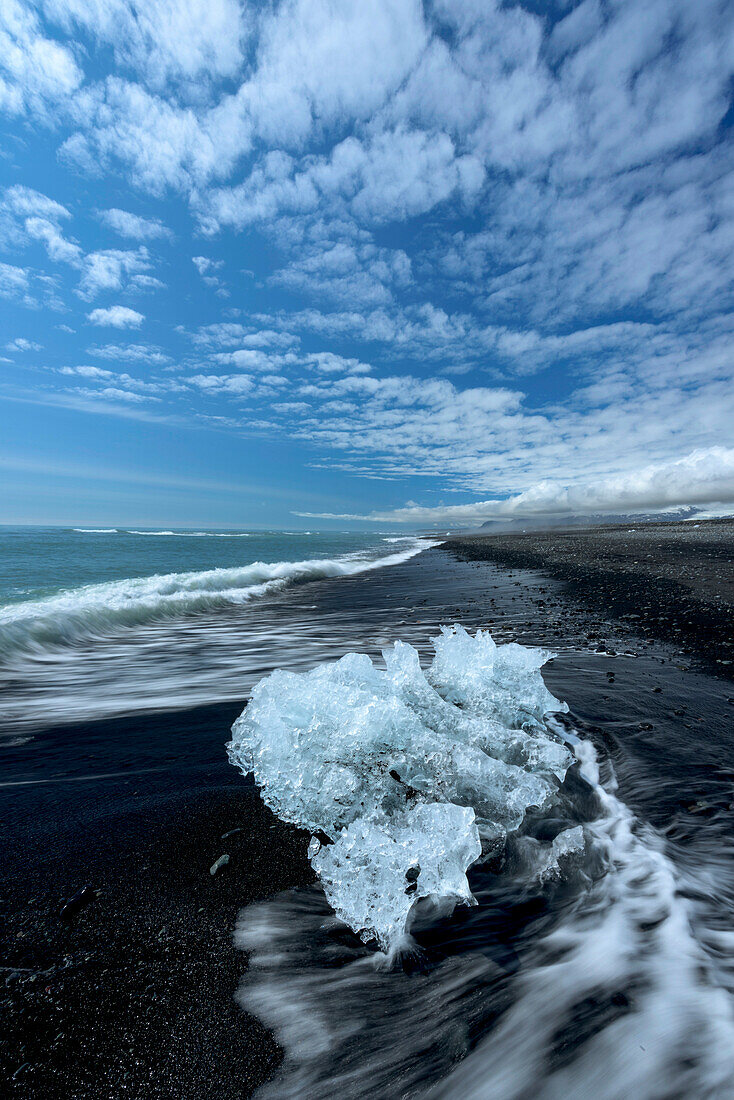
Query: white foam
[632,938]
[95,530]
[99,609]
[194,534]
[623,985]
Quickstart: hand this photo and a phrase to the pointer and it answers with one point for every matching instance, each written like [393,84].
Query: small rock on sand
[219,863]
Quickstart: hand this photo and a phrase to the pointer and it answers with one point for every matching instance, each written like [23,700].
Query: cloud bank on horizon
[471,254]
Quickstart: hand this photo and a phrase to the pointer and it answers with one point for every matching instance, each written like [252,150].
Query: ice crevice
[406,777]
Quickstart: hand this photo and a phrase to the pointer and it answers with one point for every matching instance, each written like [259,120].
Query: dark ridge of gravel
[670,581]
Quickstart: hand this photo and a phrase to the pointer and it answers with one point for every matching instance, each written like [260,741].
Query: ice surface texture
[410,774]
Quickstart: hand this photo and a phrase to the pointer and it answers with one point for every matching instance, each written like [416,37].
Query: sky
[334,263]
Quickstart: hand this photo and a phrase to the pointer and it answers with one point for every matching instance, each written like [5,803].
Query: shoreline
[136,995]
[673,582]
[133,995]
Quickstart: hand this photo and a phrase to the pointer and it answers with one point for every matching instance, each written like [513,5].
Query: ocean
[169,616]
[607,970]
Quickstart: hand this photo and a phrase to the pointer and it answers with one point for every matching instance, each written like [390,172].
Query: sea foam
[405,777]
[96,610]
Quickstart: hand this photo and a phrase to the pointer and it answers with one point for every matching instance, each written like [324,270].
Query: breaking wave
[95,610]
[194,534]
[167,534]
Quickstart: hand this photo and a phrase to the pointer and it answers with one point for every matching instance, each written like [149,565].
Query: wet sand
[135,996]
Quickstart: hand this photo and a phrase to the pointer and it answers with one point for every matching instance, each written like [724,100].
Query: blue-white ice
[410,774]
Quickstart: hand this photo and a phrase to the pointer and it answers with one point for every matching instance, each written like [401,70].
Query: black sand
[671,581]
[135,995]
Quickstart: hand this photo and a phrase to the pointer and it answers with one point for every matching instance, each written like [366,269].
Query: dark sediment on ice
[670,581]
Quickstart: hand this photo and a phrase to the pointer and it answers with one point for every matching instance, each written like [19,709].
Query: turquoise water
[37,562]
[99,622]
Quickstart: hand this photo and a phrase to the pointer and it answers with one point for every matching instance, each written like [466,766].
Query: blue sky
[335,263]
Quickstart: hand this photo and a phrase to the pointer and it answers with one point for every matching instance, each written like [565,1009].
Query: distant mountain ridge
[592,519]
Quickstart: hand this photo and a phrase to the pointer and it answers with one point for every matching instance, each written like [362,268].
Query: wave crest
[95,610]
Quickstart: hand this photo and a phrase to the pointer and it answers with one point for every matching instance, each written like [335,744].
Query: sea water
[596,958]
[103,621]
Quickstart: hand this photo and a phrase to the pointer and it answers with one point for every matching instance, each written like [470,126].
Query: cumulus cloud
[204,265]
[701,477]
[231,334]
[21,344]
[347,273]
[28,216]
[110,269]
[237,385]
[36,71]
[535,204]
[181,39]
[135,353]
[116,317]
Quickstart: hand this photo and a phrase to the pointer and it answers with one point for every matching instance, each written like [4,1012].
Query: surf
[97,610]
[603,968]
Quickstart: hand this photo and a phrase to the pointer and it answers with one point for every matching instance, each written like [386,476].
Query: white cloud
[36,72]
[133,225]
[291,406]
[392,176]
[226,334]
[701,477]
[109,270]
[236,385]
[347,273]
[173,39]
[134,353]
[27,216]
[204,265]
[14,283]
[25,202]
[206,268]
[316,65]
[59,249]
[115,393]
[21,344]
[88,372]
[116,317]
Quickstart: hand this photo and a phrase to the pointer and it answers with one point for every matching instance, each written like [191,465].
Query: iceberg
[406,777]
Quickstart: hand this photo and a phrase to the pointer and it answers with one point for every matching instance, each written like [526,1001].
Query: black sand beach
[134,995]
[671,581]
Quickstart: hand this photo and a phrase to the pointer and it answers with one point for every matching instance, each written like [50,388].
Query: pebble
[75,904]
[218,864]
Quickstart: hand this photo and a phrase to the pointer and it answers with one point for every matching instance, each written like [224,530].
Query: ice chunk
[501,682]
[401,768]
[378,869]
